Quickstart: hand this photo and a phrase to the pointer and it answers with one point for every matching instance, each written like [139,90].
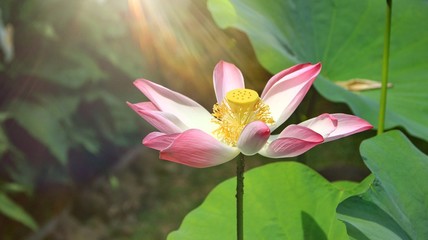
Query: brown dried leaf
[359,84]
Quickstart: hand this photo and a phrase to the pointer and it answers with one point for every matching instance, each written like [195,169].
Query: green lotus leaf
[395,206]
[285,200]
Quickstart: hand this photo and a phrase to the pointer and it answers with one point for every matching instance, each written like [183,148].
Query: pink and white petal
[189,112]
[284,91]
[226,77]
[196,148]
[253,137]
[301,132]
[162,121]
[324,124]
[158,140]
[293,141]
[284,73]
[347,125]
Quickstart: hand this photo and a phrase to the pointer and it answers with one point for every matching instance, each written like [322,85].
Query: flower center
[239,108]
[242,99]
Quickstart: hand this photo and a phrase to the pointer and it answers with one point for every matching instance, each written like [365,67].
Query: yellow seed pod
[242,99]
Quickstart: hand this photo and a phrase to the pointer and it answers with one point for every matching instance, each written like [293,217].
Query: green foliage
[395,206]
[4,142]
[284,200]
[347,37]
[69,56]
[45,120]
[14,211]
[63,91]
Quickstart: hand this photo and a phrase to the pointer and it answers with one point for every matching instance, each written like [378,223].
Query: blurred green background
[71,159]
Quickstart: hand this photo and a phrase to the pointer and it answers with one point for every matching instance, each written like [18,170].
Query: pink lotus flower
[241,120]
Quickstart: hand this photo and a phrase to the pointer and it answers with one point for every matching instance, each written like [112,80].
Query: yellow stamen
[239,108]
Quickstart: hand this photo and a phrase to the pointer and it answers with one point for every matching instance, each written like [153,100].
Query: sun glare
[181,39]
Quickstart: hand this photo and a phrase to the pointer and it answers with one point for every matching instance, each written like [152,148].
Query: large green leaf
[347,37]
[284,200]
[396,205]
[14,211]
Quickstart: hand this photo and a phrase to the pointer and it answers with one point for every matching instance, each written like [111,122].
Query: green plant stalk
[385,67]
[240,168]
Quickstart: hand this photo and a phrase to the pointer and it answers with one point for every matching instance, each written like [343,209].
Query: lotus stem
[240,168]
[385,67]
